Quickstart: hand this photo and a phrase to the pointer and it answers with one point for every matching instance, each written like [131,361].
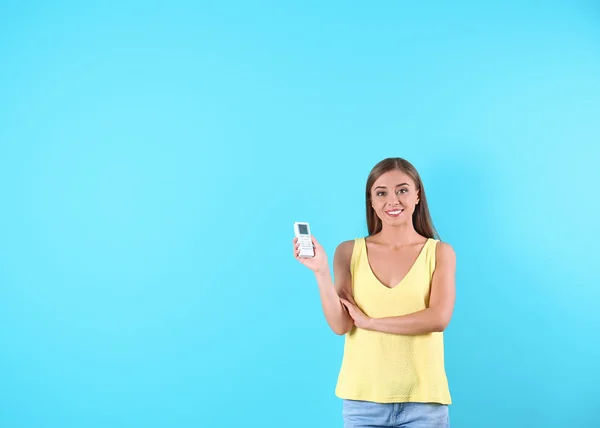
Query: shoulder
[344,249]
[343,254]
[444,252]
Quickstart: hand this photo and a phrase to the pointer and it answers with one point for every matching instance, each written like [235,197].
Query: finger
[315,242]
[348,297]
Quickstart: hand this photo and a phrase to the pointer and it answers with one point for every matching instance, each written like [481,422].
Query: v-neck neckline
[421,252]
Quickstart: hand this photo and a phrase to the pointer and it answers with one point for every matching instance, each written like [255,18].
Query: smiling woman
[393,297]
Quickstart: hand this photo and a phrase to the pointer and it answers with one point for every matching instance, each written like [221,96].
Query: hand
[359,317]
[318,263]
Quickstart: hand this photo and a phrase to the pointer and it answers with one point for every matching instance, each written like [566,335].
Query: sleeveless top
[385,367]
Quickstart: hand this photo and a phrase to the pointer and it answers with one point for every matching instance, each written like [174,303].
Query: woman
[393,297]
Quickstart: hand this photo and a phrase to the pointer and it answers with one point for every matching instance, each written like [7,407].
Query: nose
[393,200]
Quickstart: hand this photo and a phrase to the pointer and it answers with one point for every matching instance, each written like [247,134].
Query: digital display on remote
[303,229]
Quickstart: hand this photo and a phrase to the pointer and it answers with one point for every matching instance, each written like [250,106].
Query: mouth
[394,213]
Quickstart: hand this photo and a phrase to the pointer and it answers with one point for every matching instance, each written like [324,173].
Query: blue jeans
[366,414]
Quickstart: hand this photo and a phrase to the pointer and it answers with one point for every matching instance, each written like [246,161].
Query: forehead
[392,178]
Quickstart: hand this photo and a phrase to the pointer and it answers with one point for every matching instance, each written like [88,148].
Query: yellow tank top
[391,368]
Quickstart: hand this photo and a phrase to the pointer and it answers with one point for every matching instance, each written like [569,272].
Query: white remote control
[302,232]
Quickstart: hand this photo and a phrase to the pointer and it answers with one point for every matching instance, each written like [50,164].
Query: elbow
[441,323]
[341,330]
[438,328]
[441,326]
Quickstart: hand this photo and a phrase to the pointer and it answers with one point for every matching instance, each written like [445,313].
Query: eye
[381,193]
[403,190]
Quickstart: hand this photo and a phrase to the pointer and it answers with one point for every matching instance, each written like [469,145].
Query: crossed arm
[434,318]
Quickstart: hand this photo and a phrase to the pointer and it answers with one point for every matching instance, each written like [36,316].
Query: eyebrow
[397,185]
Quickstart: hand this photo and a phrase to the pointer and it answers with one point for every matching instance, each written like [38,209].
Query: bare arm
[336,315]
[436,317]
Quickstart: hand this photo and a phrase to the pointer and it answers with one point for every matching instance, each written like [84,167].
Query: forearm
[336,315]
[422,322]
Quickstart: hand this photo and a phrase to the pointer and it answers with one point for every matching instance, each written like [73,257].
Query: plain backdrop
[153,159]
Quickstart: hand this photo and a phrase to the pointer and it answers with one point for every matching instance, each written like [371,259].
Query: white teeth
[395,212]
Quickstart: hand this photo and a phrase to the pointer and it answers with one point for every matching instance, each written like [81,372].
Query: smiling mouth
[394,213]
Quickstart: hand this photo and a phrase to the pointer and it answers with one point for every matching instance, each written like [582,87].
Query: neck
[398,236]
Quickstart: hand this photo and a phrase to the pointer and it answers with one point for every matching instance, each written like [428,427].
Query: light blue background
[153,157]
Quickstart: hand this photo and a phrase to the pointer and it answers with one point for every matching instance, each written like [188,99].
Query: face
[394,197]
